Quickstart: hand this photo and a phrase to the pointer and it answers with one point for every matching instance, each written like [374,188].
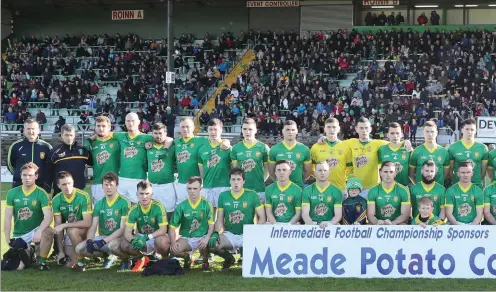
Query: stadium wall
[275,19]
[326,17]
[96,20]
[6,25]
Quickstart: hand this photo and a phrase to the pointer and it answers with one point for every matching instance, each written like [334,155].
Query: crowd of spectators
[372,19]
[401,76]
[70,73]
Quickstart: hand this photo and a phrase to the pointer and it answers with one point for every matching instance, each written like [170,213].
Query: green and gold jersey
[435,191]
[491,164]
[251,158]
[160,164]
[400,157]
[216,165]
[239,209]
[186,151]
[338,155]
[147,220]
[285,201]
[133,154]
[73,208]
[464,201]
[388,202]
[477,153]
[110,213]
[490,198]
[27,207]
[433,219]
[365,160]
[297,155]
[439,155]
[193,220]
[106,156]
[322,201]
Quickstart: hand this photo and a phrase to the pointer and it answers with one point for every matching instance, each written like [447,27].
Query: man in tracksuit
[30,149]
[70,157]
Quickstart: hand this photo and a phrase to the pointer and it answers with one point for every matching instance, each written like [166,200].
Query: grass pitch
[95,279]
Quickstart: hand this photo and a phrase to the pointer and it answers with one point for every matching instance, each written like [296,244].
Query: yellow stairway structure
[228,81]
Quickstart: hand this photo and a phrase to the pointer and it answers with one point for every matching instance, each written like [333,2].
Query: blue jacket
[71,158]
[21,152]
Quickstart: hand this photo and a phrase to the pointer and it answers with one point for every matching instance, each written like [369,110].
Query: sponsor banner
[127,14]
[486,127]
[266,4]
[380,2]
[369,251]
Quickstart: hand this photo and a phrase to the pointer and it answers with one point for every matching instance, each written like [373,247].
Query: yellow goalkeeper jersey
[364,156]
[338,156]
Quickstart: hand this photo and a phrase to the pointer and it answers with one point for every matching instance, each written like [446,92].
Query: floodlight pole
[170,50]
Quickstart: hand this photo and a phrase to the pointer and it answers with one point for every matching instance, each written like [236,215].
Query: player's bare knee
[47,233]
[81,249]
[114,245]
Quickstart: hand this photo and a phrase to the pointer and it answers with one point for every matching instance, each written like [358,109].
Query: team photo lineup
[138,211]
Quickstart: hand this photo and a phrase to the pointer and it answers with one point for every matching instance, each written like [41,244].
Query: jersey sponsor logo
[361,161]
[130,152]
[280,209]
[398,167]
[183,156]
[146,229]
[195,225]
[71,218]
[321,209]
[388,210]
[464,209]
[248,165]
[110,224]
[236,217]
[42,155]
[494,209]
[102,157]
[213,161]
[157,165]
[24,213]
[292,164]
[333,162]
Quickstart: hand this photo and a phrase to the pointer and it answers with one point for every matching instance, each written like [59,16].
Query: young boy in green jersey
[283,197]
[237,207]
[29,205]
[109,217]
[355,206]
[425,216]
[194,219]
[148,219]
[321,203]
[72,209]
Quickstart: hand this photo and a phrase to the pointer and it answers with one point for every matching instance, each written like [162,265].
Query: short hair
[194,179]
[159,126]
[237,171]
[67,128]
[103,119]
[426,201]
[144,184]
[186,119]
[331,121]
[215,122]
[30,165]
[290,123]
[394,125]
[362,120]
[249,121]
[323,162]
[429,163]
[430,124]
[63,174]
[386,163]
[111,176]
[283,162]
[31,121]
[466,163]
[467,122]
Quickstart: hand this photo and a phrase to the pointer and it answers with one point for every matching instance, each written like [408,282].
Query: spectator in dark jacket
[435,18]
[169,119]
[41,118]
[29,149]
[10,118]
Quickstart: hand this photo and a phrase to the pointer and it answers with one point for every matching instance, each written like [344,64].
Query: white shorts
[67,239]
[236,240]
[150,245]
[97,193]
[262,197]
[193,242]
[28,237]
[181,193]
[166,195]
[364,193]
[128,188]
[212,195]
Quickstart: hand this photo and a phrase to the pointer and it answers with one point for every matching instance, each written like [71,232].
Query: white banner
[127,14]
[265,4]
[369,251]
[380,2]
[486,127]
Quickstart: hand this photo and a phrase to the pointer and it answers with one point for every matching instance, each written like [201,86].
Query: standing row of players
[137,156]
